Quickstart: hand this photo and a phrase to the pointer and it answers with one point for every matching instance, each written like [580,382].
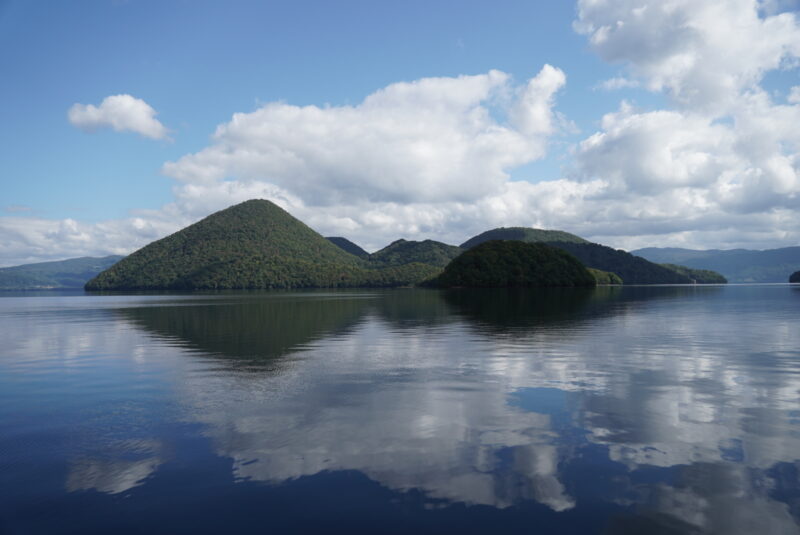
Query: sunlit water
[616,410]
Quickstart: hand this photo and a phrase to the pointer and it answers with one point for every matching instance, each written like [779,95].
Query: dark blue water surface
[616,410]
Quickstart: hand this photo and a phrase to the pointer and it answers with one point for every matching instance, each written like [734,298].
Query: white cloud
[703,53]
[724,166]
[432,140]
[612,84]
[120,112]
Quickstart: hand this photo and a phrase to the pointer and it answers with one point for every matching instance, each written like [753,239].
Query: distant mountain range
[63,274]
[737,265]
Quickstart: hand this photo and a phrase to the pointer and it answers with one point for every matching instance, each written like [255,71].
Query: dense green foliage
[736,265]
[605,277]
[632,269]
[529,235]
[698,276]
[501,264]
[72,273]
[255,244]
[795,277]
[347,245]
[429,252]
[629,268]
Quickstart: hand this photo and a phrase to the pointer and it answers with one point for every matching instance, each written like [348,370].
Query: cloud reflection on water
[689,394]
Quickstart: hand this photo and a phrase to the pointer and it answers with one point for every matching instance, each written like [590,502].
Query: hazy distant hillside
[72,273]
[736,265]
[255,244]
[529,235]
[347,245]
[427,252]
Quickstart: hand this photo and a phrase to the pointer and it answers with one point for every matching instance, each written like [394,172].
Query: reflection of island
[524,310]
[255,327]
[504,309]
[659,401]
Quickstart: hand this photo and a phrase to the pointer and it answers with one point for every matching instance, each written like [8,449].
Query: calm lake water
[616,410]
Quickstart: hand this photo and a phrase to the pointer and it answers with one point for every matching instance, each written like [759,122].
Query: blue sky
[198,63]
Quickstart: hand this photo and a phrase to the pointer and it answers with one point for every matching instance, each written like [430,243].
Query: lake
[610,410]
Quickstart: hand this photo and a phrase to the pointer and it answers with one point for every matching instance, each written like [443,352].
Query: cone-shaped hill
[255,244]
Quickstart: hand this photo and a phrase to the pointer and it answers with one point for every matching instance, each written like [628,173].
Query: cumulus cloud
[726,159]
[33,239]
[432,140]
[612,84]
[703,53]
[120,112]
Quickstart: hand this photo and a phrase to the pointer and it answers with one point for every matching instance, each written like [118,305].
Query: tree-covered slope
[507,263]
[632,269]
[736,265]
[698,276]
[605,278]
[429,252]
[347,245]
[795,277]
[255,244]
[71,273]
[525,234]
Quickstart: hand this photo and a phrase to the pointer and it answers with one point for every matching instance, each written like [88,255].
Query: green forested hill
[525,234]
[508,263]
[632,269]
[427,252]
[605,278]
[255,244]
[699,276]
[347,245]
[72,273]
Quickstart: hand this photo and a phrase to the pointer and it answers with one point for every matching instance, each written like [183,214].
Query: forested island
[258,245]
[795,277]
[514,264]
